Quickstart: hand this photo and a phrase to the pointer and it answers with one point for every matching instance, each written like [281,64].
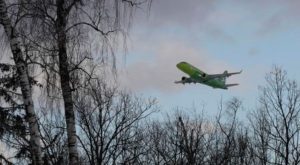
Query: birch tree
[62,23]
[22,71]
[61,26]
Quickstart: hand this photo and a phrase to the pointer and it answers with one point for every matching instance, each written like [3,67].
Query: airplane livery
[198,76]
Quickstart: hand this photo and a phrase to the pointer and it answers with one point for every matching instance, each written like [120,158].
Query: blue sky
[214,35]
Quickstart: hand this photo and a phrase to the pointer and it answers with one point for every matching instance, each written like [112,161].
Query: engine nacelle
[187,80]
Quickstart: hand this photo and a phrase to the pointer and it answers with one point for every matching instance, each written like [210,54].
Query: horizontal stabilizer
[230,74]
[230,85]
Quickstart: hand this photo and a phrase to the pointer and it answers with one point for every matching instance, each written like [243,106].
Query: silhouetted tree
[61,29]
[230,138]
[276,123]
[110,123]
[52,128]
[260,137]
[19,79]
[180,140]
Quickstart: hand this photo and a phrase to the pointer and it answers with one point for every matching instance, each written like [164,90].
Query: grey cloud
[191,16]
[210,17]
[186,13]
[273,15]
[219,35]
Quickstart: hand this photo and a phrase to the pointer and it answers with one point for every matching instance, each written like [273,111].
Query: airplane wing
[225,74]
[179,82]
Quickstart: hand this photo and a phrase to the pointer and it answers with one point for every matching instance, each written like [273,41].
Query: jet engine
[186,80]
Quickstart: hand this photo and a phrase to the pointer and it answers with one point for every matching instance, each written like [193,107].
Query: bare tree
[231,143]
[52,127]
[62,29]
[13,37]
[183,139]
[180,139]
[277,120]
[110,124]
[260,137]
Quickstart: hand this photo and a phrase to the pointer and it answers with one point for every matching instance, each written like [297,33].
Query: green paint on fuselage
[189,69]
[200,76]
[216,83]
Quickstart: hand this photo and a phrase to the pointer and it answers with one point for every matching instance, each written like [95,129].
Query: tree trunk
[61,23]
[22,70]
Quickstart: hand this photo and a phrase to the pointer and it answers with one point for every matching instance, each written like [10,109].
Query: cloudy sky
[214,35]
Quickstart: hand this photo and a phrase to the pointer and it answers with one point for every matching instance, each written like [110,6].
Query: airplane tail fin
[223,79]
[230,85]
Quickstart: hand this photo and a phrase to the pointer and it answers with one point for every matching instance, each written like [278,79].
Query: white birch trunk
[22,70]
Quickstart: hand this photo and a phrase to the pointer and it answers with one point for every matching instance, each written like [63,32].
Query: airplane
[198,76]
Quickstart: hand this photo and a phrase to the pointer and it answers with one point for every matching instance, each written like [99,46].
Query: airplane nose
[179,65]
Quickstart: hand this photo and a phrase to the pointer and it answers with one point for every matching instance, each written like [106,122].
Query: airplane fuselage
[199,76]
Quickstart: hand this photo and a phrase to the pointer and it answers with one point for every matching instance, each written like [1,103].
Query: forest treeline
[57,105]
[117,127]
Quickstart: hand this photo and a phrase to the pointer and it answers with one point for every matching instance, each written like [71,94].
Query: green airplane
[198,76]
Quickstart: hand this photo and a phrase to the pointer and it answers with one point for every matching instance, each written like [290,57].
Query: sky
[213,35]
